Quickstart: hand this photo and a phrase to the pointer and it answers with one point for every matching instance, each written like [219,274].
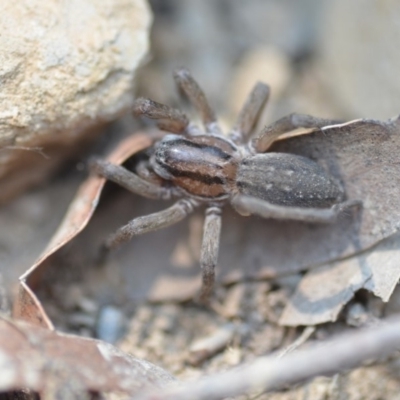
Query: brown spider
[213,169]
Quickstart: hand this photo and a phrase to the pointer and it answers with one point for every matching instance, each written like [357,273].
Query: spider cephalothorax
[206,167]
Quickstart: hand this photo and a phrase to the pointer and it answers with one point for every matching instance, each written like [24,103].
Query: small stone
[111,324]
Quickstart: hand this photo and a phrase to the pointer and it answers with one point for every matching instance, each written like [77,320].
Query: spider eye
[160,167]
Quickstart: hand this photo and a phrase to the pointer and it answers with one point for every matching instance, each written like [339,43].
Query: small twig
[271,373]
[38,150]
[298,342]
[212,344]
[307,332]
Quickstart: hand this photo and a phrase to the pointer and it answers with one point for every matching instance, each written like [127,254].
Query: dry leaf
[324,291]
[27,305]
[41,360]
[361,154]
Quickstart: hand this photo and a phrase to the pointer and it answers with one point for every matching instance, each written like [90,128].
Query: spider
[207,167]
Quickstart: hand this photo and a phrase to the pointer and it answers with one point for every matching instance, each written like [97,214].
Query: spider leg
[286,124]
[148,223]
[196,96]
[169,119]
[247,205]
[250,112]
[128,180]
[209,251]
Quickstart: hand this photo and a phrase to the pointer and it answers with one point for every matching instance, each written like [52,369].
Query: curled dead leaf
[27,306]
[41,360]
[361,154]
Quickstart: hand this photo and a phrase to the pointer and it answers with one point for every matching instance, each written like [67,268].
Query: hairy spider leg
[270,133]
[250,113]
[168,118]
[246,205]
[129,180]
[188,85]
[209,251]
[148,223]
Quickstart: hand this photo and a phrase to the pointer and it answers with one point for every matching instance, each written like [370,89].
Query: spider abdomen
[287,180]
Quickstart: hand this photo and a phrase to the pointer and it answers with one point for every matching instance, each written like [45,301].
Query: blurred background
[330,58]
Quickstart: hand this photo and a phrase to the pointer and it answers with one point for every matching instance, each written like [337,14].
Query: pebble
[111,324]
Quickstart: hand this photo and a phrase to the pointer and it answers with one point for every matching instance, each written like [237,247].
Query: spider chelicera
[210,168]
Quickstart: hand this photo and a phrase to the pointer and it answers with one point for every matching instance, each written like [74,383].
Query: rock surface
[65,67]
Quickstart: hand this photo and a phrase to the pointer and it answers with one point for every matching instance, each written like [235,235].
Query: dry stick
[298,342]
[270,373]
[38,150]
[307,332]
